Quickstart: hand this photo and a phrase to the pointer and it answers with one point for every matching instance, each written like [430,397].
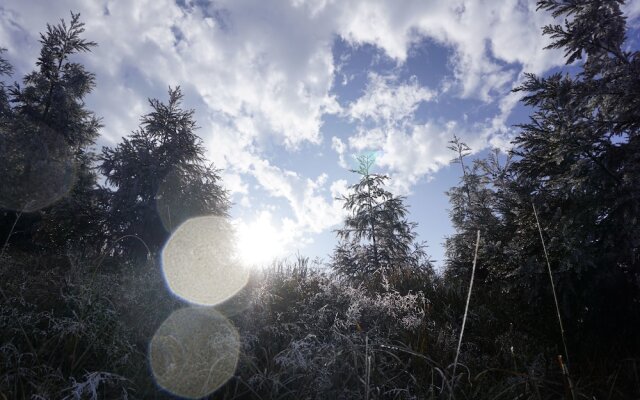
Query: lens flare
[194,352]
[200,264]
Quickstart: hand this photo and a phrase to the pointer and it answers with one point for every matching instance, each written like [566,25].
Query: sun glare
[259,242]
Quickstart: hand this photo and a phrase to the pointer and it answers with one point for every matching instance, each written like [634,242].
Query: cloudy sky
[286,92]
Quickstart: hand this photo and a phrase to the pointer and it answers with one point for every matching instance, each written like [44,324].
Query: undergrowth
[74,333]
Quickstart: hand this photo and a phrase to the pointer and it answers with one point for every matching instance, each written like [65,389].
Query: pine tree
[160,177]
[578,159]
[577,162]
[377,244]
[45,134]
[488,199]
[471,209]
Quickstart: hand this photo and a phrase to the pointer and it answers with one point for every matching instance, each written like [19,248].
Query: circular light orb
[194,352]
[36,173]
[200,264]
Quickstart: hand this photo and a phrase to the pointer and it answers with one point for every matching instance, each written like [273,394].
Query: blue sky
[287,92]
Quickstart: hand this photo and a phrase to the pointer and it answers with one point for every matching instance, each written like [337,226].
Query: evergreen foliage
[160,177]
[45,134]
[578,160]
[377,244]
[53,95]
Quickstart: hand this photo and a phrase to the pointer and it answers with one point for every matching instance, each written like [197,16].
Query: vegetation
[543,270]
[160,177]
[377,244]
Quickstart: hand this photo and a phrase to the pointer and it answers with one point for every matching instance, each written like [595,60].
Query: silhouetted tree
[6,69]
[45,132]
[579,159]
[160,176]
[577,162]
[377,243]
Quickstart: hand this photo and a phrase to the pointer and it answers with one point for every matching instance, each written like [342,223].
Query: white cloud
[386,101]
[245,202]
[233,182]
[339,147]
[367,139]
[409,153]
[484,36]
[313,208]
[632,10]
[313,212]
[339,188]
[278,74]
[272,63]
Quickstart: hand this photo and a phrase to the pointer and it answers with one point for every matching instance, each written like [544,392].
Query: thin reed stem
[368,368]
[13,227]
[553,286]
[466,311]
[563,365]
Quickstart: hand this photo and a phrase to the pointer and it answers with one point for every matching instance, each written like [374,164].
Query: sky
[288,92]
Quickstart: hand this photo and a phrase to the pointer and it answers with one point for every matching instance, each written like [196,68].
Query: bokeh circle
[194,352]
[200,261]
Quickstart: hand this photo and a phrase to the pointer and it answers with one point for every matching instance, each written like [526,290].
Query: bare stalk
[6,242]
[553,286]
[368,368]
[466,311]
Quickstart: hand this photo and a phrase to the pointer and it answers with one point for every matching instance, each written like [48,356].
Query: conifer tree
[471,209]
[6,69]
[578,160]
[377,244]
[160,176]
[45,134]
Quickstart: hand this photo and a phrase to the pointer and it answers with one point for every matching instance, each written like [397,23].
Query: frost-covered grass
[60,336]
[69,331]
[75,333]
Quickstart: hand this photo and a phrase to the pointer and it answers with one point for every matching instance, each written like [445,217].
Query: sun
[258,241]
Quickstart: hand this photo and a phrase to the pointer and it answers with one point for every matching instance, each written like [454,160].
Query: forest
[539,297]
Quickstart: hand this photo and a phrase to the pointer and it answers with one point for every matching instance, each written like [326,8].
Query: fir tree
[45,134]
[578,159]
[377,244]
[160,177]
